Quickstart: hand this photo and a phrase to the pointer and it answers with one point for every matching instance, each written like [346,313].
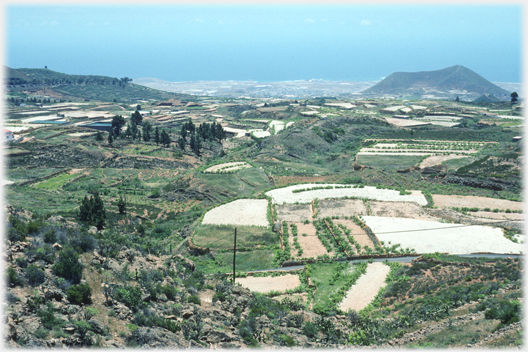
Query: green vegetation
[147,195]
[222,236]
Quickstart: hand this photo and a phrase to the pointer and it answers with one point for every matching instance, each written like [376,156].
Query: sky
[266,42]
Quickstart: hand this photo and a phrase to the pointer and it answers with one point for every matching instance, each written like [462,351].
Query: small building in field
[8,135]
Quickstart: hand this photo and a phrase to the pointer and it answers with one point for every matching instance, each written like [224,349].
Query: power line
[390,232]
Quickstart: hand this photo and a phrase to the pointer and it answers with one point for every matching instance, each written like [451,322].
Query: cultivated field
[287,194]
[366,287]
[429,237]
[400,210]
[228,167]
[423,148]
[268,284]
[357,232]
[474,201]
[341,207]
[294,212]
[310,244]
[251,212]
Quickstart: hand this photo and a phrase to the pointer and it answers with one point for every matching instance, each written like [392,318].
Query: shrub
[288,340]
[34,275]
[50,236]
[130,296]
[506,311]
[79,294]
[310,329]
[68,266]
[46,254]
[193,299]
[14,235]
[48,319]
[41,333]
[12,277]
[169,291]
[34,226]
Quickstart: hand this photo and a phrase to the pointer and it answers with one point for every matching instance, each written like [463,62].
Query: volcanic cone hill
[451,78]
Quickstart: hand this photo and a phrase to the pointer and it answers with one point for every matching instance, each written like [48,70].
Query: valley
[121,214]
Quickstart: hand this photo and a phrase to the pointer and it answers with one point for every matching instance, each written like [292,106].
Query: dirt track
[366,287]
[267,284]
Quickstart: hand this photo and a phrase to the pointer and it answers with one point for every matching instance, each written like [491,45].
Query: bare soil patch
[366,287]
[439,159]
[357,232]
[310,244]
[228,167]
[341,207]
[293,212]
[267,284]
[474,201]
[400,210]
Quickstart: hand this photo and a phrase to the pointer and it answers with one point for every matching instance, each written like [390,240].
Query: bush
[193,299]
[48,319]
[41,333]
[80,294]
[169,291]
[34,226]
[34,275]
[506,311]
[50,236]
[130,296]
[310,329]
[12,277]
[68,266]
[45,253]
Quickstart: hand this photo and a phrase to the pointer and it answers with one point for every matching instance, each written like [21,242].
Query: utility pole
[234,257]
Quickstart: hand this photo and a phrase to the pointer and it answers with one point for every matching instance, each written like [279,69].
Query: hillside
[452,78]
[338,214]
[93,87]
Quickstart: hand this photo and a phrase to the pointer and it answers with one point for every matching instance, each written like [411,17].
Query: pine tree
[181,143]
[121,205]
[110,137]
[156,136]
[165,139]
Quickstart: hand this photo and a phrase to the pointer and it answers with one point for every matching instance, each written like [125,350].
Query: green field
[329,278]
[222,236]
[453,164]
[389,162]
[55,182]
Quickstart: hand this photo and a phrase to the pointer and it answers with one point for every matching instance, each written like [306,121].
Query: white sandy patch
[80,134]
[405,123]
[285,195]
[251,212]
[429,237]
[279,126]
[474,201]
[261,134]
[267,284]
[366,288]
[439,159]
[228,167]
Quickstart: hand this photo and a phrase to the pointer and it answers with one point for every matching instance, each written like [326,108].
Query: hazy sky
[265,43]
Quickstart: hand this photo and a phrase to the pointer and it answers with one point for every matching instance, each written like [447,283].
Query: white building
[8,135]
